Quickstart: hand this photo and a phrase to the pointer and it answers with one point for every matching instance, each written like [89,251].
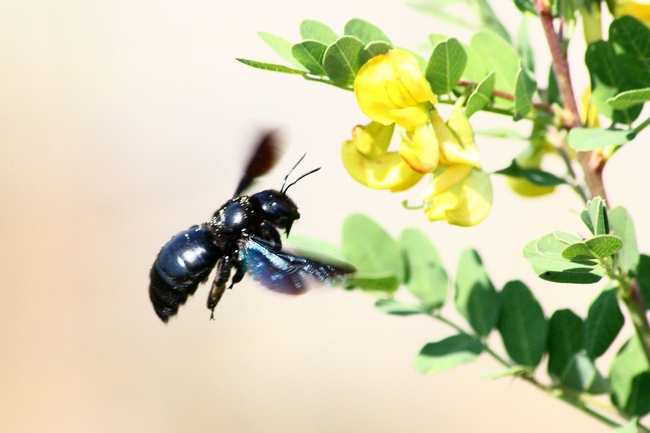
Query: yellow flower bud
[460,194]
[391,88]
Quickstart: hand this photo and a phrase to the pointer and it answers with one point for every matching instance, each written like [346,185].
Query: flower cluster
[392,90]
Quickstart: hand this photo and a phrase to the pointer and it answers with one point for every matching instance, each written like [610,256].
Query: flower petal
[420,149]
[372,140]
[389,171]
[636,8]
[391,88]
[464,203]
[453,151]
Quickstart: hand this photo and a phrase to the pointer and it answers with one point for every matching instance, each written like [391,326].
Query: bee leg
[219,284]
[239,273]
[270,235]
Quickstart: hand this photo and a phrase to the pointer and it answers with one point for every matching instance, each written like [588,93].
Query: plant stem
[631,297]
[636,307]
[592,163]
[641,126]
[575,398]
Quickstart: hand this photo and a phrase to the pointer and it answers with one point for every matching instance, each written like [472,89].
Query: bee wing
[290,274]
[264,157]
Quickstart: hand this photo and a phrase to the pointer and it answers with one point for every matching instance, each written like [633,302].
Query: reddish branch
[592,163]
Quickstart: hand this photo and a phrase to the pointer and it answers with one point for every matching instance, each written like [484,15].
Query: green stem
[641,126]
[636,307]
[574,398]
[326,80]
[633,300]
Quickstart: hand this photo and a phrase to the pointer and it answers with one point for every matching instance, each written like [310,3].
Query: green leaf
[490,19]
[533,175]
[476,299]
[397,308]
[526,6]
[629,98]
[598,247]
[497,56]
[282,47]
[428,280]
[524,89]
[524,47]
[545,254]
[364,31]
[643,277]
[522,324]
[310,54]
[584,139]
[629,379]
[581,374]
[271,67]
[372,251]
[481,96]
[475,70]
[622,226]
[604,322]
[341,60]
[311,29]
[631,35]
[373,49]
[446,66]
[598,216]
[553,92]
[565,337]
[448,353]
[611,74]
[376,282]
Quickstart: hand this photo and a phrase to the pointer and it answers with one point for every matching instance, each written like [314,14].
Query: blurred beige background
[125,122]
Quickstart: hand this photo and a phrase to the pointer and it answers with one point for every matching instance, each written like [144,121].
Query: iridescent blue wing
[288,273]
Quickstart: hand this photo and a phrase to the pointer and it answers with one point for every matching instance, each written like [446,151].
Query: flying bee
[242,235]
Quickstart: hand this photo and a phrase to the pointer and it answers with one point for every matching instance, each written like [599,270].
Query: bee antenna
[282,190]
[296,181]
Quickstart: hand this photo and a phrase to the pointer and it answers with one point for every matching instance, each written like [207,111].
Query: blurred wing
[290,274]
[264,157]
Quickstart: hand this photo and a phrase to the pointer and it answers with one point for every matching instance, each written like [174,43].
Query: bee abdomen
[184,262]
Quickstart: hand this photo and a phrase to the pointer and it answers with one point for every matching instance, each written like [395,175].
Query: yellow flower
[460,194]
[366,159]
[639,9]
[391,88]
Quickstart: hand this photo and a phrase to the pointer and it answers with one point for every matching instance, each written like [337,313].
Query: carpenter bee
[242,235]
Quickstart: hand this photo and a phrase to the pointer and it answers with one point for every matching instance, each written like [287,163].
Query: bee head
[278,208]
